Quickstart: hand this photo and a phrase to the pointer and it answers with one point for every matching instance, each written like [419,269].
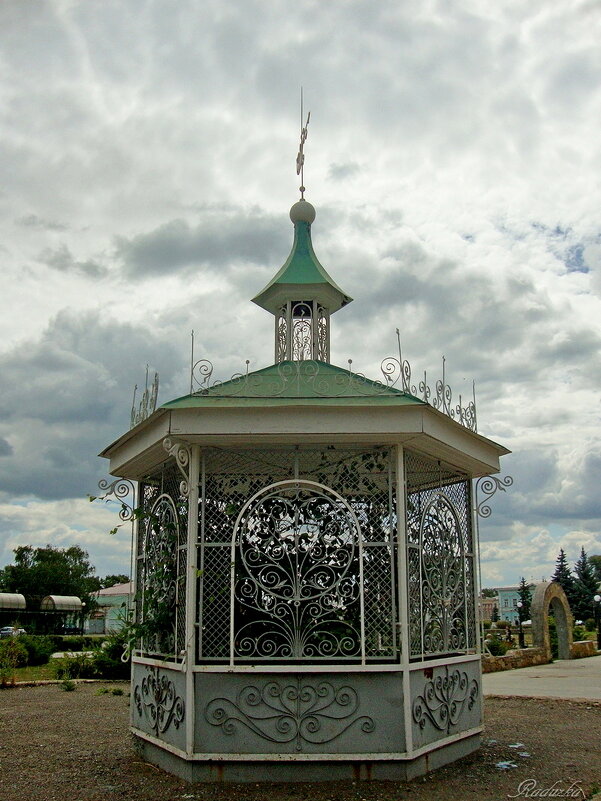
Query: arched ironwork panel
[161,565]
[297,576]
[440,560]
[364,478]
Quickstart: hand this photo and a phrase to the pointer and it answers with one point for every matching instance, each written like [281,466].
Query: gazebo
[306,560]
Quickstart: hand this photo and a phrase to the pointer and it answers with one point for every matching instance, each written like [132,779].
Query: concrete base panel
[306,771]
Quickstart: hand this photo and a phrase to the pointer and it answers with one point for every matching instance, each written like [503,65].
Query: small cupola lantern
[302,296]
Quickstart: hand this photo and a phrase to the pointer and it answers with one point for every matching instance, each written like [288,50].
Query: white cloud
[148,163]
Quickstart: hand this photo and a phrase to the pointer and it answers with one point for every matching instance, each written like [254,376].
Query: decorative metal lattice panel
[297,585]
[161,564]
[302,332]
[440,559]
[364,479]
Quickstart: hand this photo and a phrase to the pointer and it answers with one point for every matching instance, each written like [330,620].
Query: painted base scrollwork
[156,699]
[444,699]
[291,711]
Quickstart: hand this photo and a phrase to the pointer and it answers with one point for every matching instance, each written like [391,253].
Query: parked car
[71,630]
[10,631]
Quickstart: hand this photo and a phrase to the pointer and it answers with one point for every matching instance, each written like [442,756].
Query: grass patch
[35,673]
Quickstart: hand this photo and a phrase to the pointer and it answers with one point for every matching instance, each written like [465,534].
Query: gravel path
[75,746]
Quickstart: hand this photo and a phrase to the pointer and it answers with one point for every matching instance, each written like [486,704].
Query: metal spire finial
[300,158]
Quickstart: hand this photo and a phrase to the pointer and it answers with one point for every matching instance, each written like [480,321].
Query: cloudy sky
[147,157]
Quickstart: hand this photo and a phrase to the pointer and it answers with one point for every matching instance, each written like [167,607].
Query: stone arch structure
[550,595]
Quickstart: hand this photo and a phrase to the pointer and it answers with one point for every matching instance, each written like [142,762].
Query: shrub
[578,633]
[13,654]
[75,643]
[78,666]
[502,624]
[498,647]
[68,685]
[107,659]
[589,624]
[39,648]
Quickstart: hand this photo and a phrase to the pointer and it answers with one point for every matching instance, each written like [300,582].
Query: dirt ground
[75,746]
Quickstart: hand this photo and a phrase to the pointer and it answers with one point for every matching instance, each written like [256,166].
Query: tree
[111,580]
[585,587]
[488,592]
[596,563]
[495,614]
[525,594]
[37,572]
[563,575]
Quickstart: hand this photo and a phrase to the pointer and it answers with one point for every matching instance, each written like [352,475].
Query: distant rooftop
[118,589]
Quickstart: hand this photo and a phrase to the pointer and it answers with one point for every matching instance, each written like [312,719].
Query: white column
[478,623]
[190,656]
[403,597]
[132,611]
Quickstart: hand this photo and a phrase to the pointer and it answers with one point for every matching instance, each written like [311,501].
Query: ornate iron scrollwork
[443,700]
[121,488]
[288,711]
[181,454]
[302,331]
[323,335]
[489,485]
[155,698]
[147,404]
[298,581]
[443,580]
[299,372]
[160,575]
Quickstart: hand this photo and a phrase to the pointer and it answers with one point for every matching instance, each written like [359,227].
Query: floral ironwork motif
[440,558]
[159,585]
[489,485]
[297,590]
[291,711]
[302,331]
[443,584]
[155,697]
[444,698]
[281,336]
[323,335]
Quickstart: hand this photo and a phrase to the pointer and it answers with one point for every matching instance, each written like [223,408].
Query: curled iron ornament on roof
[148,402]
[290,376]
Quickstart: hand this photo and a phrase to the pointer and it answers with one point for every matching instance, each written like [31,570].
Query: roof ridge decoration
[312,378]
[147,404]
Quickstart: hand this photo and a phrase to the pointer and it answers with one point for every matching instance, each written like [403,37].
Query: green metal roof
[287,383]
[302,271]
